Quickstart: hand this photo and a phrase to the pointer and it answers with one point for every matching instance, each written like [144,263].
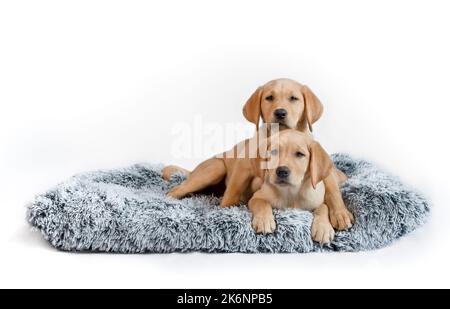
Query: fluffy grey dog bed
[126,211]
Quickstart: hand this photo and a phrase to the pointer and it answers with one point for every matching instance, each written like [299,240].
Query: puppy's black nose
[280,113]
[283,171]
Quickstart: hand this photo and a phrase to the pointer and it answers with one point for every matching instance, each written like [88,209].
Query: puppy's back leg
[169,170]
[209,172]
[236,186]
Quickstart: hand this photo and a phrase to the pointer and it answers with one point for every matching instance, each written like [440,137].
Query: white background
[99,84]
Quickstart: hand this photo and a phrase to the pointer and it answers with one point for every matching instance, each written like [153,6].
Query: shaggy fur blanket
[126,211]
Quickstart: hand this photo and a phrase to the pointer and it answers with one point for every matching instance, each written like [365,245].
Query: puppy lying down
[296,166]
[291,175]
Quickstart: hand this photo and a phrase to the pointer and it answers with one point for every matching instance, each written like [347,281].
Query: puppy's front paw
[341,219]
[322,231]
[264,223]
[176,193]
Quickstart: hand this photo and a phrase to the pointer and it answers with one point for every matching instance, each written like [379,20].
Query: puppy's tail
[169,170]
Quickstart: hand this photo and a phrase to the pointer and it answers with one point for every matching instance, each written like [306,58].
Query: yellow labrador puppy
[294,106]
[287,103]
[297,167]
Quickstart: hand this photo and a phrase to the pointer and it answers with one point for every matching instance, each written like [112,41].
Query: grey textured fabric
[126,211]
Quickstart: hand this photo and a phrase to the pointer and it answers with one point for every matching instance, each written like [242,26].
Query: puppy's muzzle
[280,114]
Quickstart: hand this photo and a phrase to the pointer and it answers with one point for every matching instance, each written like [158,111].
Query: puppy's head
[294,157]
[285,102]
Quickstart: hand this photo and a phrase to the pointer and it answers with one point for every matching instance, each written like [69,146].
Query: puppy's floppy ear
[320,164]
[252,109]
[313,107]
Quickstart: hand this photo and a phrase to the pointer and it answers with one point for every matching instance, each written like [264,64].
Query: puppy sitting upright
[296,168]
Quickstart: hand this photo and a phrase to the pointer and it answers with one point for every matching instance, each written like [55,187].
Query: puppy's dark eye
[293,98]
[299,154]
[269,98]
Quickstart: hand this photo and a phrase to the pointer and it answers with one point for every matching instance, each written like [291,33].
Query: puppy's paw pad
[167,172]
[322,232]
[175,193]
[264,224]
